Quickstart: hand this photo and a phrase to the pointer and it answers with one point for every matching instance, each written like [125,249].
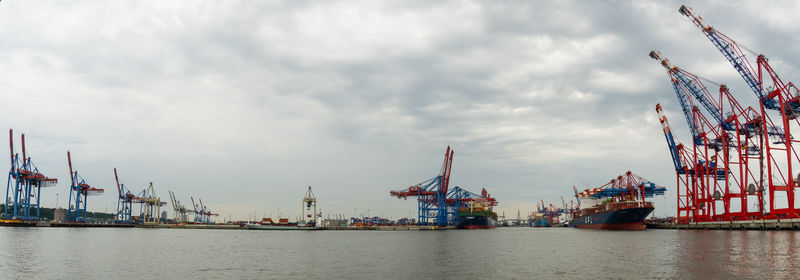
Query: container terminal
[440,206]
[740,171]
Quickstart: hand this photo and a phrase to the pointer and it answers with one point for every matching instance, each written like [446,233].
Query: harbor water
[503,253]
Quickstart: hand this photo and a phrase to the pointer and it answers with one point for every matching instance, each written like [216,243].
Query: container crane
[125,200]
[198,214]
[152,205]
[707,180]
[180,211]
[79,192]
[687,205]
[431,194]
[773,94]
[25,183]
[206,213]
[309,201]
[739,139]
[436,201]
[623,187]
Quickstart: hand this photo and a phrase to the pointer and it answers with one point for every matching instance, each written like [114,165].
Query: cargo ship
[618,205]
[281,224]
[541,222]
[617,215]
[477,215]
[546,215]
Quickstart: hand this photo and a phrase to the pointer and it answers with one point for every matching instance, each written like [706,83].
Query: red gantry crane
[779,102]
[687,204]
[739,137]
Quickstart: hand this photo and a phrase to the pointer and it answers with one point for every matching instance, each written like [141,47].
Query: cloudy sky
[245,103]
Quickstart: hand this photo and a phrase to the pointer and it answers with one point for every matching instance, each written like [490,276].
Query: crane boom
[677,161]
[733,53]
[71,174]
[11,145]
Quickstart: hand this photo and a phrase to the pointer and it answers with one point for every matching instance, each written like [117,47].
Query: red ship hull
[478,226]
[621,226]
[614,216]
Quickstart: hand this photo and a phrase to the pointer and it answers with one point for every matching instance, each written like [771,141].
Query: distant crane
[125,201]
[206,213]
[152,205]
[309,201]
[435,200]
[201,213]
[180,211]
[198,214]
[25,183]
[79,191]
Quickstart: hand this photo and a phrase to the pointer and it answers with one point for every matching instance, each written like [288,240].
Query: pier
[765,224]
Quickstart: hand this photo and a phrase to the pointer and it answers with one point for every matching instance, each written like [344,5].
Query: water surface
[503,253]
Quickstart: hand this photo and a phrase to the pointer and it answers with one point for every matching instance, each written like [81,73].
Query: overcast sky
[245,103]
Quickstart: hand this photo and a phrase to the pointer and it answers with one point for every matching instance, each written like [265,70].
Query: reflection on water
[560,253]
[738,254]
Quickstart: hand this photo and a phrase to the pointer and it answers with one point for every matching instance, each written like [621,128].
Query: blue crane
[676,150]
[125,200]
[25,184]
[79,191]
[435,200]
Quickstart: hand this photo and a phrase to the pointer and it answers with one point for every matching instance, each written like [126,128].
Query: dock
[764,224]
[14,223]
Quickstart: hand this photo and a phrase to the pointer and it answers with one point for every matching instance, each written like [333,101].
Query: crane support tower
[25,183]
[79,192]
[779,104]
[309,201]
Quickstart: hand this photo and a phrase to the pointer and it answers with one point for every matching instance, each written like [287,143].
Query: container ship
[546,215]
[618,205]
[541,221]
[618,215]
[477,215]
